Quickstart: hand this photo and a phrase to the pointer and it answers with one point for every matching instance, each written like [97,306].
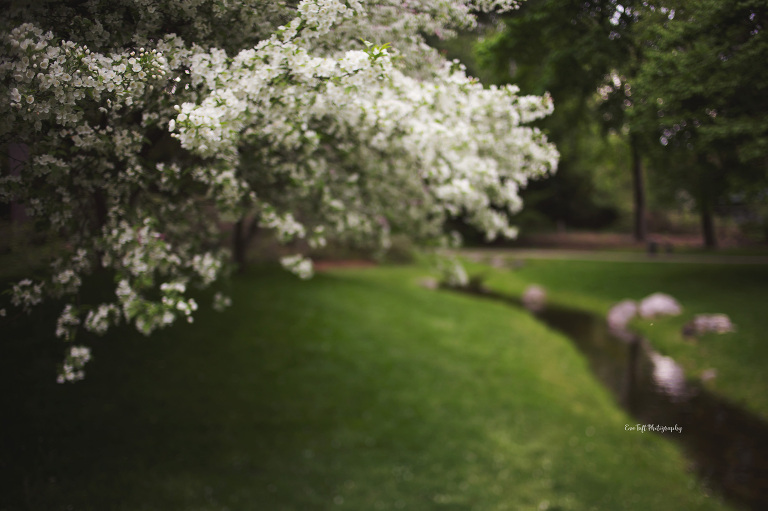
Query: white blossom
[221,302]
[67,323]
[99,320]
[298,265]
[298,116]
[453,273]
[26,294]
[72,368]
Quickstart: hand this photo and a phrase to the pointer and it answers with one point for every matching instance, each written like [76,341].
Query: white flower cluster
[207,266]
[27,294]
[51,82]
[72,368]
[68,280]
[453,273]
[329,119]
[67,323]
[221,302]
[298,265]
[98,320]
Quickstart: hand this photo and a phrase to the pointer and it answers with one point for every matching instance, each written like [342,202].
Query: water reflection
[668,377]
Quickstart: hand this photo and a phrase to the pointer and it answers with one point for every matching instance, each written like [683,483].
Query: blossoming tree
[134,127]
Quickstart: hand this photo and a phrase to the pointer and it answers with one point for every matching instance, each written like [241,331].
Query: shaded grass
[356,390]
[741,291]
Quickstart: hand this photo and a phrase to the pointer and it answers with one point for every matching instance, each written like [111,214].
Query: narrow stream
[728,446]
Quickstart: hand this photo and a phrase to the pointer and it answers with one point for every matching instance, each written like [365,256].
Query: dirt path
[487,254]
[321,266]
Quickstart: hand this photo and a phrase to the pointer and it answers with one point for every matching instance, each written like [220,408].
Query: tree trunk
[706,209]
[18,154]
[239,245]
[708,223]
[640,230]
[242,234]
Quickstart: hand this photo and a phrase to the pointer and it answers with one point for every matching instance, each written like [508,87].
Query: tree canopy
[681,78]
[572,49]
[702,67]
[708,97]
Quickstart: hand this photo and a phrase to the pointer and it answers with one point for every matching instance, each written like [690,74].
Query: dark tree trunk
[640,225]
[707,202]
[708,223]
[242,234]
[239,245]
[18,154]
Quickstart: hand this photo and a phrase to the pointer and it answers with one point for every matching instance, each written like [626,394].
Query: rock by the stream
[498,262]
[621,314]
[516,264]
[534,298]
[429,283]
[659,304]
[704,323]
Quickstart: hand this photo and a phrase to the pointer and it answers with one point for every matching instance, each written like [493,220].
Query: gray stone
[704,323]
[534,298]
[659,304]
[621,314]
[429,283]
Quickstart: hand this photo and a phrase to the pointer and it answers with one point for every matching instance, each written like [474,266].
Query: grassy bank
[741,291]
[356,390]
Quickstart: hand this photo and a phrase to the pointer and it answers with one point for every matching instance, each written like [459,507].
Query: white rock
[718,323]
[534,298]
[621,314]
[429,283]
[498,262]
[659,304]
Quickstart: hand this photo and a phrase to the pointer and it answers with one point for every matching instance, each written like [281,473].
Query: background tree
[709,95]
[573,49]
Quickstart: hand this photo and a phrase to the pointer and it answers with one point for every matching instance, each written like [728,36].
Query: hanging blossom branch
[138,144]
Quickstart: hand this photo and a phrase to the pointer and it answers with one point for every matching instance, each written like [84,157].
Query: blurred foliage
[702,64]
[567,49]
[707,93]
[678,85]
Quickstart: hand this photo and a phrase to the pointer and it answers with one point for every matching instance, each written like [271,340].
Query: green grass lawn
[741,291]
[355,390]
